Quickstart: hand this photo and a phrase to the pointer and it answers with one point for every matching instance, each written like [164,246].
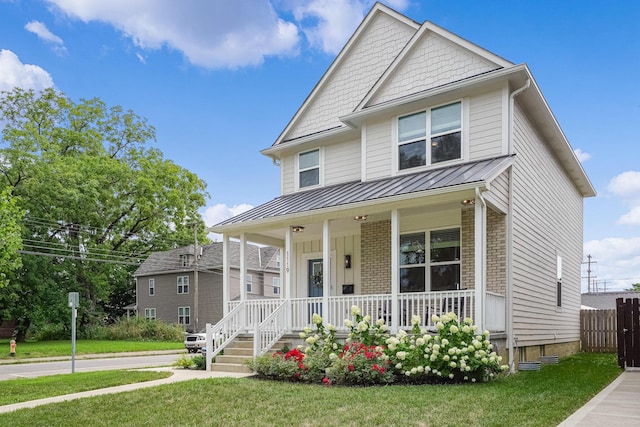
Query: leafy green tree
[634,287]
[98,200]
[10,241]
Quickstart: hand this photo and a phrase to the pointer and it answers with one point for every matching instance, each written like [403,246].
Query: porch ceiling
[357,194]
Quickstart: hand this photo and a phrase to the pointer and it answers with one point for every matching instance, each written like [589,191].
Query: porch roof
[341,195]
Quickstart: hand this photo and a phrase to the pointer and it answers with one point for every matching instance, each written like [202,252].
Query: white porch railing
[223,332]
[495,312]
[270,330]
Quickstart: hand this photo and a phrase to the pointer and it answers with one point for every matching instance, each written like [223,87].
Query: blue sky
[220,80]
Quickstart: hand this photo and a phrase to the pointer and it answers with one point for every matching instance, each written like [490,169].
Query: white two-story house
[423,174]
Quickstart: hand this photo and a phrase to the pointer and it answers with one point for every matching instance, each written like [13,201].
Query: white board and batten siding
[547,222]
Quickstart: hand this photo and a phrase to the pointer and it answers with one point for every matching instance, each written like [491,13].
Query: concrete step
[238,360]
[233,351]
[230,367]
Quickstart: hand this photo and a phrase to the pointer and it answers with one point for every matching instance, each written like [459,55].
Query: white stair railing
[223,332]
[270,330]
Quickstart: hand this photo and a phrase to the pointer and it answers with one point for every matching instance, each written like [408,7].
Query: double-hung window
[441,127]
[558,281]
[152,287]
[249,279]
[276,286]
[150,313]
[309,168]
[183,285]
[184,315]
[430,261]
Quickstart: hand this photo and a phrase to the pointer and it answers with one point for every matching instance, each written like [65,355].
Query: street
[31,370]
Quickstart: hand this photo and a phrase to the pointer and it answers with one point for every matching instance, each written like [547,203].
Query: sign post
[73,303]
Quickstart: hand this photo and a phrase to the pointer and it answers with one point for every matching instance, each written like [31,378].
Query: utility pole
[589,262]
[196,254]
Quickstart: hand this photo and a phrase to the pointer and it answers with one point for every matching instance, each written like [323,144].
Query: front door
[314,279]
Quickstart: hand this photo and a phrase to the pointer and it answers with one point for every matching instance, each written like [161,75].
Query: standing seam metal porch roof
[358,191]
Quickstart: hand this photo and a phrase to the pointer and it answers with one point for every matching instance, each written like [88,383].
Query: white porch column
[395,271]
[243,275]
[287,270]
[226,274]
[326,270]
[480,248]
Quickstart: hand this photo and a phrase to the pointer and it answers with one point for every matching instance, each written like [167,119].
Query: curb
[14,361]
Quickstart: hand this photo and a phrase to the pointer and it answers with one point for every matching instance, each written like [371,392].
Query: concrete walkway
[618,405]
[178,375]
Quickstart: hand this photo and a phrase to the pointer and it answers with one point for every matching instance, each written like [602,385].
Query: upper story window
[441,126]
[183,284]
[276,286]
[185,260]
[152,287]
[309,168]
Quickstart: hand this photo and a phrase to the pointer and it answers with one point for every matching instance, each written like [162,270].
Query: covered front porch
[420,244]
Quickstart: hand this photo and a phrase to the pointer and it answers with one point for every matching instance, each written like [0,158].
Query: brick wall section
[467,234]
[496,251]
[376,257]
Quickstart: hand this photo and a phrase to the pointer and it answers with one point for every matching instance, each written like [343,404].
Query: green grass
[24,389]
[27,350]
[530,398]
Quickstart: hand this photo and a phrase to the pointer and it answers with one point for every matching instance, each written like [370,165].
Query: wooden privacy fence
[628,318]
[598,330]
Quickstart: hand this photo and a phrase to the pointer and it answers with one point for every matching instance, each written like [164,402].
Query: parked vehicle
[195,342]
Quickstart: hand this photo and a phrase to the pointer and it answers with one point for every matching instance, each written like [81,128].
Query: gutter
[511,339]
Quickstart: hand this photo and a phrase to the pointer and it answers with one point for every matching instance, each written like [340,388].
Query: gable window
[152,287]
[276,286]
[249,283]
[150,313]
[185,260]
[309,168]
[440,126]
[430,261]
[184,315]
[183,285]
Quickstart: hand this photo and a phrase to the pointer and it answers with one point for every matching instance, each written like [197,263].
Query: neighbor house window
[150,313]
[183,284]
[249,283]
[430,137]
[184,315]
[309,168]
[276,285]
[185,260]
[430,261]
[152,287]
[559,281]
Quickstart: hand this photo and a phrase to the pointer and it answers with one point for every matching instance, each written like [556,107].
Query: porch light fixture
[360,217]
[297,229]
[347,261]
[468,202]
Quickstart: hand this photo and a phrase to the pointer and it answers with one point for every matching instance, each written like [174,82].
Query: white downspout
[509,267]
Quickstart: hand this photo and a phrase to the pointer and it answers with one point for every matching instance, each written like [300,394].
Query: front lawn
[530,398]
[31,349]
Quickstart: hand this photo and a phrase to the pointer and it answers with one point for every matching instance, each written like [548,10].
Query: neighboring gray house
[166,284]
[424,174]
[605,300]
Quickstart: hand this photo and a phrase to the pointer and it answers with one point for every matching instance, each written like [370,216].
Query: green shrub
[184,362]
[138,328]
[199,362]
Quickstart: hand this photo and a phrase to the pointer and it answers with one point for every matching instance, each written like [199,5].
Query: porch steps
[239,351]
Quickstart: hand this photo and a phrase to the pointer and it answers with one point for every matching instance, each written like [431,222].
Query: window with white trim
[150,313]
[276,285]
[186,260]
[183,285]
[249,279]
[184,315]
[440,126]
[309,168]
[558,280]
[152,287]
[430,260]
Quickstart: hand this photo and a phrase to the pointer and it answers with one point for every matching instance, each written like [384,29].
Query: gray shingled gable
[258,258]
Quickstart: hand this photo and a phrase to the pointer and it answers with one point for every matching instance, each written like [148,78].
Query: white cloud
[218,213]
[614,260]
[581,155]
[631,218]
[627,187]
[210,34]
[13,73]
[328,24]
[43,33]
